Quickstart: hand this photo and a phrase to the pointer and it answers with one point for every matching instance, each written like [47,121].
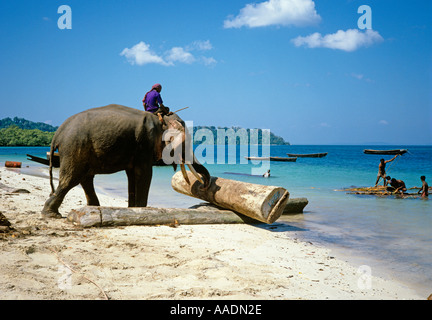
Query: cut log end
[260,202]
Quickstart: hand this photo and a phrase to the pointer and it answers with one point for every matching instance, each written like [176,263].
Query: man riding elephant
[153,103]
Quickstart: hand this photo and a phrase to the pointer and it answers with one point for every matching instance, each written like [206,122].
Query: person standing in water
[381,170]
[425,188]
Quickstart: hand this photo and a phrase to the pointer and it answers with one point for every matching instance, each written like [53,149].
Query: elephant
[114,138]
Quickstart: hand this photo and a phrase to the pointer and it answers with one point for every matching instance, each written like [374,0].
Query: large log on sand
[263,203]
[90,216]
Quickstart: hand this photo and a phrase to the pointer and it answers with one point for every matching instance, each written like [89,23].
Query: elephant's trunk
[195,167]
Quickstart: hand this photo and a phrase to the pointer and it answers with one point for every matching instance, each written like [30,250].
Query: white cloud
[275,12]
[201,45]
[141,54]
[361,77]
[349,40]
[179,54]
[383,122]
[210,61]
[357,76]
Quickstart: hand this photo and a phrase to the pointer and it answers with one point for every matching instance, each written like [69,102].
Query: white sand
[162,262]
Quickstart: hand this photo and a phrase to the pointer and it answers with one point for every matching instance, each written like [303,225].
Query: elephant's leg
[88,186]
[53,203]
[143,177]
[131,187]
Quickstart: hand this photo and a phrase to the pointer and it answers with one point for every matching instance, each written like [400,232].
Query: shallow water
[391,235]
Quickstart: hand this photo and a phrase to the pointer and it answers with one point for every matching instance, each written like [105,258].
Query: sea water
[390,235]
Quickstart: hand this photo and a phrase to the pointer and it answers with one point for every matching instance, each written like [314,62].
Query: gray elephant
[114,138]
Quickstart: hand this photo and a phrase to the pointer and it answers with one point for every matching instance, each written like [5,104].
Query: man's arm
[392,158]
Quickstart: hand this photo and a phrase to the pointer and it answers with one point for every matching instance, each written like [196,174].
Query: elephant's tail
[51,157]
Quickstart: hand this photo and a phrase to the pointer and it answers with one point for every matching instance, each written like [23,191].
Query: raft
[381,191]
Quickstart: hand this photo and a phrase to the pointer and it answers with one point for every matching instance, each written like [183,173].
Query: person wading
[382,171]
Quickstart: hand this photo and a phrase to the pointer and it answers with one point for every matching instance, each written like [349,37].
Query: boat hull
[385,152]
[272,159]
[307,155]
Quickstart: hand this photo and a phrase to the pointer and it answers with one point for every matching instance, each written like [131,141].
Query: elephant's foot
[50,214]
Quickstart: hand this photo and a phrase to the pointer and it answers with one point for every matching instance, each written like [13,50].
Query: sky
[313,72]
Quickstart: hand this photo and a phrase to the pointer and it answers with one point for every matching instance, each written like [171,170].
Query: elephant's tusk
[183,170]
[191,168]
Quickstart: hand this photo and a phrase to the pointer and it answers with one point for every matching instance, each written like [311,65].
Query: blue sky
[301,68]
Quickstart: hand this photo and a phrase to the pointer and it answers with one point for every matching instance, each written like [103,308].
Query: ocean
[390,235]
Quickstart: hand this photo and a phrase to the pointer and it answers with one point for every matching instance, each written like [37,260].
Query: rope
[391,165]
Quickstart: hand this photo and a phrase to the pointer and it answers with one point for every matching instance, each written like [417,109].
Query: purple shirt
[152,101]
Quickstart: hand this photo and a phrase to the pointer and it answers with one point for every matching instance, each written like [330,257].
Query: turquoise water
[391,235]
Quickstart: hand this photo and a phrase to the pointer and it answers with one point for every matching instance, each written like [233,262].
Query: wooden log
[13,164]
[262,203]
[90,216]
[295,205]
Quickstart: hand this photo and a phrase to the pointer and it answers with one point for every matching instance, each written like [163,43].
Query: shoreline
[187,262]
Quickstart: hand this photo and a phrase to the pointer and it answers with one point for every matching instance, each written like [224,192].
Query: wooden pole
[90,216]
[262,203]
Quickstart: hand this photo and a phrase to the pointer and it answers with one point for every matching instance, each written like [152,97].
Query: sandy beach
[54,259]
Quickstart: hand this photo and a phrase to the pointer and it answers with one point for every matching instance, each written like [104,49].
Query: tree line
[22,132]
[15,136]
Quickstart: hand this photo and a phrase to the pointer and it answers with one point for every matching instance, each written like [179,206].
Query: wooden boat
[272,159]
[385,152]
[307,155]
[55,163]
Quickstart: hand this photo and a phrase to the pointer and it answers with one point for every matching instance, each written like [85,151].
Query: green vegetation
[22,132]
[26,124]
[15,136]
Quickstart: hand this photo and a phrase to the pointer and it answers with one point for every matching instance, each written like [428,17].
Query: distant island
[242,136]
[22,132]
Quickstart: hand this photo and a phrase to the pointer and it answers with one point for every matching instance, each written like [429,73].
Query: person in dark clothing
[153,102]
[398,185]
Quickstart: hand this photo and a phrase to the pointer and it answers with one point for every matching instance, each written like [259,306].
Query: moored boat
[385,152]
[272,159]
[308,155]
[55,161]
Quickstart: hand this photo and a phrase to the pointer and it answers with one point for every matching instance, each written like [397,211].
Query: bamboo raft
[382,191]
